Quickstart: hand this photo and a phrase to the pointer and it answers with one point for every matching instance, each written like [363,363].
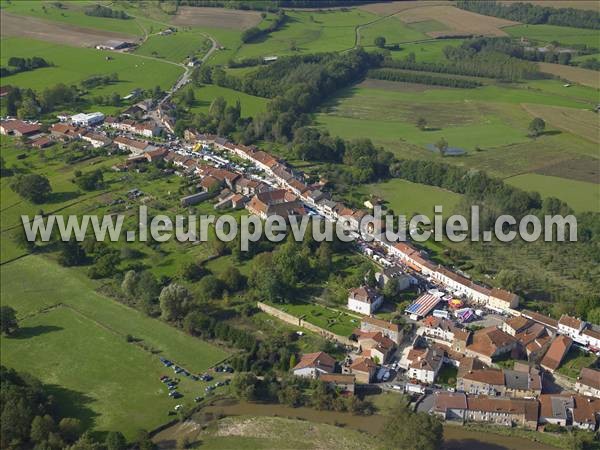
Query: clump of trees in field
[536,127]
[99,80]
[8,320]
[411,77]
[17,65]
[104,11]
[33,187]
[254,33]
[534,14]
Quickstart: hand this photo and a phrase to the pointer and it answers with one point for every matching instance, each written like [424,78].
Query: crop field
[548,33]
[581,122]
[176,46]
[67,15]
[388,8]
[585,77]
[216,17]
[60,33]
[134,71]
[74,340]
[455,21]
[251,105]
[580,195]
[407,198]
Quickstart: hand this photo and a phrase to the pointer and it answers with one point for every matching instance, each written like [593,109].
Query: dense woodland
[412,77]
[104,11]
[534,14]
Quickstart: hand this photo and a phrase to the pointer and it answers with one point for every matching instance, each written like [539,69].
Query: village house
[588,382]
[557,351]
[15,127]
[41,141]
[515,325]
[571,326]
[449,406]
[446,332]
[278,202]
[156,155]
[389,329]
[246,186]
[376,346]
[311,365]
[424,364]
[591,337]
[503,300]
[402,279]
[568,410]
[501,382]
[344,382]
[96,140]
[548,322]
[65,132]
[133,145]
[364,300]
[313,196]
[502,411]
[362,368]
[490,343]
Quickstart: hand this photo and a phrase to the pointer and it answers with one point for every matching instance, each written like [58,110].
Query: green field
[392,29]
[549,33]
[77,345]
[71,13]
[407,198]
[580,196]
[251,105]
[177,46]
[309,32]
[134,71]
[337,322]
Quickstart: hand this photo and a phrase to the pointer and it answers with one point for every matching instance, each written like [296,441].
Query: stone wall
[298,322]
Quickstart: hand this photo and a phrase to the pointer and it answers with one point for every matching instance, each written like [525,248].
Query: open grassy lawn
[580,196]
[337,322]
[549,33]
[176,46]
[77,345]
[407,198]
[133,71]
[71,13]
[430,51]
[575,361]
[251,105]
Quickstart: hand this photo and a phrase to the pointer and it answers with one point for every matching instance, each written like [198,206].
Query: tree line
[411,77]
[27,104]
[17,65]
[534,14]
[254,33]
[272,6]
[460,63]
[104,11]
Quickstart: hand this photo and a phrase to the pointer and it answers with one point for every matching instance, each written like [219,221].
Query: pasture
[205,94]
[74,340]
[392,29]
[548,33]
[581,122]
[580,195]
[133,71]
[176,46]
[408,198]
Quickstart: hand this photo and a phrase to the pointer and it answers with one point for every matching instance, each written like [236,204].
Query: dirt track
[61,33]
[216,17]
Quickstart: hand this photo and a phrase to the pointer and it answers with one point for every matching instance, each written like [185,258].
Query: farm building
[114,45]
[18,128]
[87,119]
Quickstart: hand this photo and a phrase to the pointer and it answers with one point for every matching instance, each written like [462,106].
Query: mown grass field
[407,198]
[251,105]
[581,196]
[78,347]
[72,65]
[393,30]
[176,46]
[549,33]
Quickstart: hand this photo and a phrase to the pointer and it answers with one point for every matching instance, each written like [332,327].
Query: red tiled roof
[315,359]
[556,352]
